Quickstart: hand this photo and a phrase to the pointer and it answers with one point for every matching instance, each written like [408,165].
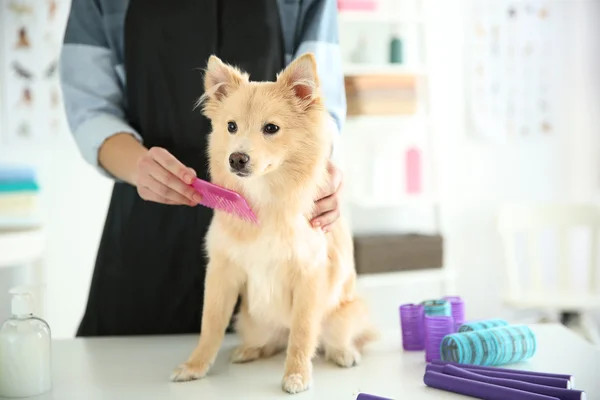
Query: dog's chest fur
[270,264]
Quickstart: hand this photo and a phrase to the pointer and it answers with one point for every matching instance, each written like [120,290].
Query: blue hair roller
[495,346]
[483,324]
[437,308]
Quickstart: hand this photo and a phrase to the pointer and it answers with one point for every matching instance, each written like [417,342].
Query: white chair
[529,264]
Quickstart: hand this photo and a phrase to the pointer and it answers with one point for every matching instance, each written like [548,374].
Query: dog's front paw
[344,357]
[189,372]
[296,383]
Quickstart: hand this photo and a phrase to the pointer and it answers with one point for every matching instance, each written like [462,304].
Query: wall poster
[31,109]
[509,60]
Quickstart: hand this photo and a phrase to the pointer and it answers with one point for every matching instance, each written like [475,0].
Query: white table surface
[138,369]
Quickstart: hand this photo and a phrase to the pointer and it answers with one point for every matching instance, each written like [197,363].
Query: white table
[138,369]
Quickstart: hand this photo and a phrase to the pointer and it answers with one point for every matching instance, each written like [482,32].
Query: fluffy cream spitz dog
[271,143]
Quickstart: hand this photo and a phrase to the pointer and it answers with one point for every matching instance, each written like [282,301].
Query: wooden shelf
[403,277]
[351,69]
[405,121]
[407,201]
[378,17]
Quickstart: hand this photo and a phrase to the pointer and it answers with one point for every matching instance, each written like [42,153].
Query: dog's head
[264,130]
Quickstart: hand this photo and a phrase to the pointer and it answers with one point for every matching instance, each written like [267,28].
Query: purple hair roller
[514,371]
[413,328]
[365,396]
[562,394]
[436,328]
[479,390]
[540,380]
[458,310]
[434,368]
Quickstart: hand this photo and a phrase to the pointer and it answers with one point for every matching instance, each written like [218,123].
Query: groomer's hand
[162,178]
[327,209]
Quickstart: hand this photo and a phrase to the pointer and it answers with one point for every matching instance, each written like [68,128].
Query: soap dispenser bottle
[25,365]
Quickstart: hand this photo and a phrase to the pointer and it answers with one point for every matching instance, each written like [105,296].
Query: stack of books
[19,191]
[381,94]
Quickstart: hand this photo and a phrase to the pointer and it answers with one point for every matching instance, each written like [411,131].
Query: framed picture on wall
[31,103]
[509,56]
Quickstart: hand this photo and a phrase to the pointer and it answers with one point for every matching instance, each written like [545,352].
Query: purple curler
[436,328]
[458,310]
[539,380]
[365,396]
[434,368]
[412,324]
[479,390]
[570,378]
[562,394]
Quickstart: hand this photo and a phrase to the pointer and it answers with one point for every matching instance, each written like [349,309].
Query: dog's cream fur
[296,282]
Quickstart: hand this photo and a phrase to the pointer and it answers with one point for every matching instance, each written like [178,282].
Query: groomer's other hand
[162,178]
[327,209]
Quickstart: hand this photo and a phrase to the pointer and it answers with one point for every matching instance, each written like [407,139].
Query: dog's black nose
[238,161]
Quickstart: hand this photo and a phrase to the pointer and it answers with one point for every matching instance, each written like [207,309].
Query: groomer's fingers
[323,207]
[329,219]
[172,164]
[148,195]
[159,173]
[150,169]
[153,190]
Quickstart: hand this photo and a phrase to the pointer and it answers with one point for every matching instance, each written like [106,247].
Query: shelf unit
[396,130]
[373,137]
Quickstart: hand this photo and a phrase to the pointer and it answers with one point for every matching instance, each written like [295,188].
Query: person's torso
[166,46]
[114,12]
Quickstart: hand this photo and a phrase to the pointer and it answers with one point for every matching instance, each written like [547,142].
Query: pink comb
[217,197]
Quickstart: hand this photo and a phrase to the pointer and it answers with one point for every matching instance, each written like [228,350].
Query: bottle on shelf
[358,55]
[413,171]
[396,46]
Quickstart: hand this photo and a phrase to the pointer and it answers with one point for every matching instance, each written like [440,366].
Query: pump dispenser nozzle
[22,301]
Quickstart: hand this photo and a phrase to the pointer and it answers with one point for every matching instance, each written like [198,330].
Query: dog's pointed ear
[221,79]
[301,77]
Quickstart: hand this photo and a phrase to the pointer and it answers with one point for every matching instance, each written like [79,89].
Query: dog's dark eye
[270,129]
[232,127]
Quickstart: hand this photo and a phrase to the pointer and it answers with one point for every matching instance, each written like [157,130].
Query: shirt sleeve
[318,34]
[92,93]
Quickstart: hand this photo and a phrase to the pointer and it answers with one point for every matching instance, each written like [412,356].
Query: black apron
[150,267]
